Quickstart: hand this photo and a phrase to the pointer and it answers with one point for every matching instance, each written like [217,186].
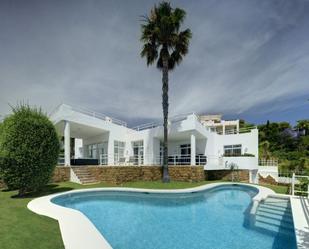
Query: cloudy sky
[247,59]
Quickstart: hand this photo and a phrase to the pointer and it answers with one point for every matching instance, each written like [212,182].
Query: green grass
[279,189]
[22,229]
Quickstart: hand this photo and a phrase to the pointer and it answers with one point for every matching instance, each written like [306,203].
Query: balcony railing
[268,162]
[171,120]
[137,160]
[92,114]
[235,131]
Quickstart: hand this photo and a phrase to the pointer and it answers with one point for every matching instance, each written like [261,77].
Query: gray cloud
[245,57]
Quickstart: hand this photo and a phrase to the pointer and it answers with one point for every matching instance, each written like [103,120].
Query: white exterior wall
[249,142]
[207,143]
[215,150]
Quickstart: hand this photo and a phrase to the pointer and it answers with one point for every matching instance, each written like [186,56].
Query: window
[118,150]
[92,151]
[232,150]
[185,149]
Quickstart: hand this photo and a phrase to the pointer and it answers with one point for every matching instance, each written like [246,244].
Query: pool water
[212,219]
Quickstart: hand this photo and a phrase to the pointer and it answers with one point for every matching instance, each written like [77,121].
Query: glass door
[138,152]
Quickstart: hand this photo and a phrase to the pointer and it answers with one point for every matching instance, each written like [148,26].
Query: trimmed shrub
[29,149]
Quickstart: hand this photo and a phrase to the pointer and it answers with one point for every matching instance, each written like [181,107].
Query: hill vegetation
[288,144]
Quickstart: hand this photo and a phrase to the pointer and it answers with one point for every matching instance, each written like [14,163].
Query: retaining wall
[120,174]
[61,174]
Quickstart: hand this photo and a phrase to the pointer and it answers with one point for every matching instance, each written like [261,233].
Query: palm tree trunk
[166,177]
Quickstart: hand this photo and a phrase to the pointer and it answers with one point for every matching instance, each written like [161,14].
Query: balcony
[150,160]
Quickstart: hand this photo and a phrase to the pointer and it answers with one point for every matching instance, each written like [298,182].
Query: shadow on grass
[46,190]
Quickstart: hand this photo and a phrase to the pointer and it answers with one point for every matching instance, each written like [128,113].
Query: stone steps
[274,215]
[84,175]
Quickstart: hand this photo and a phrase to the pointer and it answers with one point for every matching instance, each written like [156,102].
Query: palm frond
[161,35]
[150,52]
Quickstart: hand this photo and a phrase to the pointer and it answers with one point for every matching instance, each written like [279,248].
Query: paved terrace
[300,207]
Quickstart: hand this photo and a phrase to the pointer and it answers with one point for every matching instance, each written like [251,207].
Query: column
[67,144]
[110,151]
[193,149]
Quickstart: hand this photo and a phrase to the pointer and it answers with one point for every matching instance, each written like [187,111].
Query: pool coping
[78,232]
[300,212]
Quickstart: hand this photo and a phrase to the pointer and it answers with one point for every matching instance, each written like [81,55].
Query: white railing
[92,114]
[178,159]
[171,120]
[268,162]
[147,126]
[109,159]
[294,183]
[150,159]
[235,131]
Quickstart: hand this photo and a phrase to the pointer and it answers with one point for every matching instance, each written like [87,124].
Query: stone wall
[241,175]
[61,174]
[121,174]
[187,173]
[267,180]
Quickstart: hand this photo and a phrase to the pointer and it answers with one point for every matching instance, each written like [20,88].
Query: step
[274,207]
[279,205]
[83,174]
[274,229]
[273,214]
[282,218]
[277,202]
[275,211]
[81,171]
[87,179]
[90,182]
[274,222]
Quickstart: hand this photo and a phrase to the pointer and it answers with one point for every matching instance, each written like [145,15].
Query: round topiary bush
[29,149]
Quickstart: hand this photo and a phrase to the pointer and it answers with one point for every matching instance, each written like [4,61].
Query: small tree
[29,149]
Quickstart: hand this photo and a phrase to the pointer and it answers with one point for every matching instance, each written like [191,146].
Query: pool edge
[78,232]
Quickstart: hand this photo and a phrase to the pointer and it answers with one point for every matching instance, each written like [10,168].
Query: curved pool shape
[216,218]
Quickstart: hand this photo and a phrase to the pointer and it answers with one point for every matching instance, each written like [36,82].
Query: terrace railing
[235,131]
[268,162]
[92,114]
[171,120]
[300,185]
[150,159]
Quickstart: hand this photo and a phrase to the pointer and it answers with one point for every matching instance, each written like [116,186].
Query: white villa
[96,139]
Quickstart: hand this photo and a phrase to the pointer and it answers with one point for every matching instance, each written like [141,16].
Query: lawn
[22,229]
[279,189]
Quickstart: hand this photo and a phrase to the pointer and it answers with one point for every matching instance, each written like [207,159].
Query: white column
[193,149]
[110,151]
[293,183]
[67,144]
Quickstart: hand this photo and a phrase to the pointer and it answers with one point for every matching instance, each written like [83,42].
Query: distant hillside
[290,145]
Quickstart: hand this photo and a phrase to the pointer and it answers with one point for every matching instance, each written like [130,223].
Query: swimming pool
[215,218]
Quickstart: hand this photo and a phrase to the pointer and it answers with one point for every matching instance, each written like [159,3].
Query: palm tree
[165,44]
